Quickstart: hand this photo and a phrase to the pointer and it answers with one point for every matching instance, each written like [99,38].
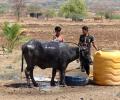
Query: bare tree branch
[17,5]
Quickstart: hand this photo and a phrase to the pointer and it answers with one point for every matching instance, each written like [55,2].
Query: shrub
[11,33]
[115,17]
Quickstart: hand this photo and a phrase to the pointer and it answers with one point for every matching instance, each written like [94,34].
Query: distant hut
[36,15]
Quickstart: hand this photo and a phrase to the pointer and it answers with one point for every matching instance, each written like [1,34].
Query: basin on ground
[76,78]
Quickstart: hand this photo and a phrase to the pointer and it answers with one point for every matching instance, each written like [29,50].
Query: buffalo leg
[27,74]
[62,77]
[32,78]
[53,76]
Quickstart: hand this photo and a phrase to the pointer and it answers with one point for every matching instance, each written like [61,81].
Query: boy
[58,36]
[85,42]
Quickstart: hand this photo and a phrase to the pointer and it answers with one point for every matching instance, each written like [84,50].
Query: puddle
[42,79]
[44,84]
[76,78]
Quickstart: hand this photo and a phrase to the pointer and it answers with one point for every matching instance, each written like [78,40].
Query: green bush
[3,8]
[72,8]
[33,8]
[108,15]
[115,17]
[11,33]
[100,14]
[50,13]
[77,17]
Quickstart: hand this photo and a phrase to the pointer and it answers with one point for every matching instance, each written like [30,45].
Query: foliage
[73,8]
[77,17]
[108,15]
[100,13]
[17,6]
[115,16]
[3,8]
[33,8]
[11,33]
[50,13]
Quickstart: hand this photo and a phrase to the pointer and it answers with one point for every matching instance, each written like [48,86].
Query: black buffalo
[52,54]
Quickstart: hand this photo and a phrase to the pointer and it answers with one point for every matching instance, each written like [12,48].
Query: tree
[17,5]
[33,8]
[73,8]
[50,13]
[3,8]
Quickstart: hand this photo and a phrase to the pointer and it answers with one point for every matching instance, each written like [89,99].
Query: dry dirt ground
[12,87]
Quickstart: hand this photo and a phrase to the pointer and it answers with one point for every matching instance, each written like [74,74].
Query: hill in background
[93,5]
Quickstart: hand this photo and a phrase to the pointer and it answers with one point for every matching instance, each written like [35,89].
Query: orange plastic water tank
[106,67]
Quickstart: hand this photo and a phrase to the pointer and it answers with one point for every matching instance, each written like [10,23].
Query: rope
[72,43]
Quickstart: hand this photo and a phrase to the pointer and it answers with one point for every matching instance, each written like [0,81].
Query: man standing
[85,42]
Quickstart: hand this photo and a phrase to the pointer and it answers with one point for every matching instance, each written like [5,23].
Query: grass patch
[115,17]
